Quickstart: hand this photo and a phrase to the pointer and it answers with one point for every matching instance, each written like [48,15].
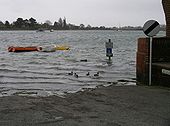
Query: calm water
[40,73]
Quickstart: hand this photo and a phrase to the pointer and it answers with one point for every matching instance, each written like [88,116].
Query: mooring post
[109,47]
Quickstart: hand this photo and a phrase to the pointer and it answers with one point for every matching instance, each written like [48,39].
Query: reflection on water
[40,73]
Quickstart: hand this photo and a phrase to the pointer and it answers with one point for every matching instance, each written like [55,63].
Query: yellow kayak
[52,48]
[62,47]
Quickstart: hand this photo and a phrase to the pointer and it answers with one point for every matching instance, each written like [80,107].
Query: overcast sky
[94,12]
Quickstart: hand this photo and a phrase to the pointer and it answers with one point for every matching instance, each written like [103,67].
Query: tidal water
[43,74]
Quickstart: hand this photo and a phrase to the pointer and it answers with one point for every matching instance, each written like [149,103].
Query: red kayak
[22,49]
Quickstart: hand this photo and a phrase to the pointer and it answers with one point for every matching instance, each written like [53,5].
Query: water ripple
[49,71]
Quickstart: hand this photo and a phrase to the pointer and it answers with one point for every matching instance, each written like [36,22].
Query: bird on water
[76,75]
[97,74]
[71,73]
[88,74]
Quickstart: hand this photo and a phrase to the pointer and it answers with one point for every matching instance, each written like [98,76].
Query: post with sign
[109,47]
[151,28]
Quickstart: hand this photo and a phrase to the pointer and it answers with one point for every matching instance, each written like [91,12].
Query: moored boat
[22,49]
[47,48]
[52,48]
[62,47]
[51,30]
[44,48]
[40,30]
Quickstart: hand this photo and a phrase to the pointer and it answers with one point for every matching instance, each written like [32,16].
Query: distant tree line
[61,24]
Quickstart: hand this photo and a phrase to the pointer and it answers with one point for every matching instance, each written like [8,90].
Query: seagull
[97,74]
[75,75]
[71,73]
[88,74]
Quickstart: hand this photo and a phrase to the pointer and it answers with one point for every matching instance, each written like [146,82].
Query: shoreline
[102,106]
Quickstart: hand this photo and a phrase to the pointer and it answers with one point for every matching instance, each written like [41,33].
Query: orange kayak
[22,49]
